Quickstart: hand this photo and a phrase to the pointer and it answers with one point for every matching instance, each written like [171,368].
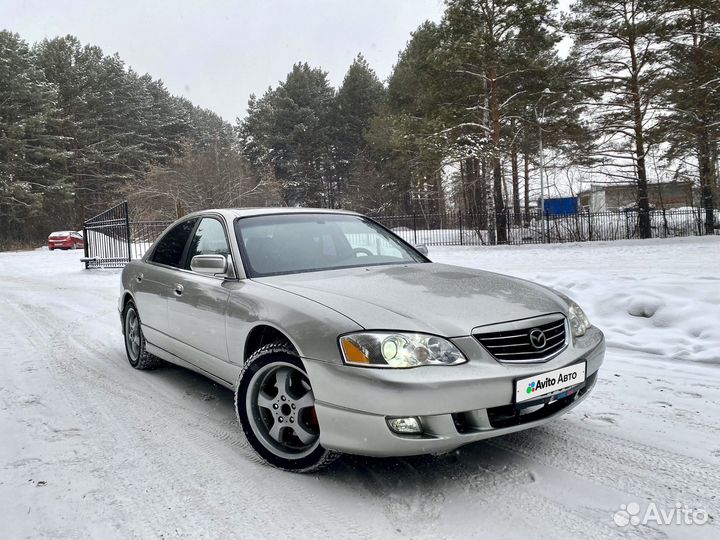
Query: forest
[478,106]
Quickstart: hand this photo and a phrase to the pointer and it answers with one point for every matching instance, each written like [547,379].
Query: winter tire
[275,406]
[138,357]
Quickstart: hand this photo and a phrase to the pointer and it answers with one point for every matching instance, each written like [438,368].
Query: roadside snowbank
[660,297]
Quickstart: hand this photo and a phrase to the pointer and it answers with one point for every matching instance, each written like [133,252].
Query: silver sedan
[338,336]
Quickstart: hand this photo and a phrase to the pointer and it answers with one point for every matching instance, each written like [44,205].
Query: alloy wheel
[281,410]
[132,334]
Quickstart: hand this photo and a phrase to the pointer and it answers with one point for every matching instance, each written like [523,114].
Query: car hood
[424,297]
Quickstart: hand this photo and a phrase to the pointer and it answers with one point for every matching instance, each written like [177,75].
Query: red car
[65,240]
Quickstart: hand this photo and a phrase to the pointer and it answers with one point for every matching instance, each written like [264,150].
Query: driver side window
[209,239]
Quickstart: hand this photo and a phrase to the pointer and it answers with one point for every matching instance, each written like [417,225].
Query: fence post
[85,245]
[547,227]
[460,223]
[627,225]
[415,228]
[589,224]
[127,230]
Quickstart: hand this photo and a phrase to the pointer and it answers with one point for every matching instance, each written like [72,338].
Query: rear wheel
[138,357]
[275,406]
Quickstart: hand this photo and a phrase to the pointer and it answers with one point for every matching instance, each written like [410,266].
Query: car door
[154,281]
[198,304]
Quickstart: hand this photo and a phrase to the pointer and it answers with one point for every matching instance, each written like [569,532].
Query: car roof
[232,213]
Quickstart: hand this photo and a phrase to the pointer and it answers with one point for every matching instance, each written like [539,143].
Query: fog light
[408,424]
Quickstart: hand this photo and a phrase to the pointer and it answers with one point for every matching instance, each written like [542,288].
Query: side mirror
[422,248]
[210,265]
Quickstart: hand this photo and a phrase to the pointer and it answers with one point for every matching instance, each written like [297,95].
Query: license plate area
[550,385]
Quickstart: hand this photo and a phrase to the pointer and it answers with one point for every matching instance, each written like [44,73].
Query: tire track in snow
[94,409]
[307,511]
[488,486]
[618,462]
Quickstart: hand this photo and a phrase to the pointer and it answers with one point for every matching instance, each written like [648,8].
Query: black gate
[108,242]
[112,240]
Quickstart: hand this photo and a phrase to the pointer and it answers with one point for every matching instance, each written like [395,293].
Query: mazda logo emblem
[537,338]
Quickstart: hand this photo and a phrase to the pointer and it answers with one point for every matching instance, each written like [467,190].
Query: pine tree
[119,123]
[692,94]
[288,129]
[487,40]
[621,42]
[204,128]
[404,139]
[28,150]
[77,127]
[358,100]
[91,96]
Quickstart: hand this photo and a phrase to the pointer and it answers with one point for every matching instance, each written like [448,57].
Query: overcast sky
[217,53]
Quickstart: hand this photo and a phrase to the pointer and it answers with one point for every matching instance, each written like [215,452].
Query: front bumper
[456,405]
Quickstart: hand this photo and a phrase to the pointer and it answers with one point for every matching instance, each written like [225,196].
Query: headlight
[579,323]
[398,350]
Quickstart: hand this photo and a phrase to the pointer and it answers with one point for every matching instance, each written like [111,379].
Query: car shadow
[479,467]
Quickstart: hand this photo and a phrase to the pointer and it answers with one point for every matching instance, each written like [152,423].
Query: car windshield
[292,243]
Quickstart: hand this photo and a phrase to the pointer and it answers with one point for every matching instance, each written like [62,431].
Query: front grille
[526,342]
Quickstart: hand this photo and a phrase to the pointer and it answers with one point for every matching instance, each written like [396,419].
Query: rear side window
[209,239]
[169,250]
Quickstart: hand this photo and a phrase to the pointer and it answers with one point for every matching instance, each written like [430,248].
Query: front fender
[311,327]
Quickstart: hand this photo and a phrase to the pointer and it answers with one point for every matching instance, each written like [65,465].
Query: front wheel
[275,406]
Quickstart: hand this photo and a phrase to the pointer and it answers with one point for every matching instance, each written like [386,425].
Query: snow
[94,449]
[660,297]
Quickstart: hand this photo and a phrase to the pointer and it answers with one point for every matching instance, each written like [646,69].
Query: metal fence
[465,229]
[111,239]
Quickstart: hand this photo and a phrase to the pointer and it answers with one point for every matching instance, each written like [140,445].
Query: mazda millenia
[338,336]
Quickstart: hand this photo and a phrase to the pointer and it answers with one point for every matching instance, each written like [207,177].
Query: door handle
[179,289]
[139,278]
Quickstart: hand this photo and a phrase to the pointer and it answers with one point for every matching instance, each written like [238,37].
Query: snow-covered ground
[90,448]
